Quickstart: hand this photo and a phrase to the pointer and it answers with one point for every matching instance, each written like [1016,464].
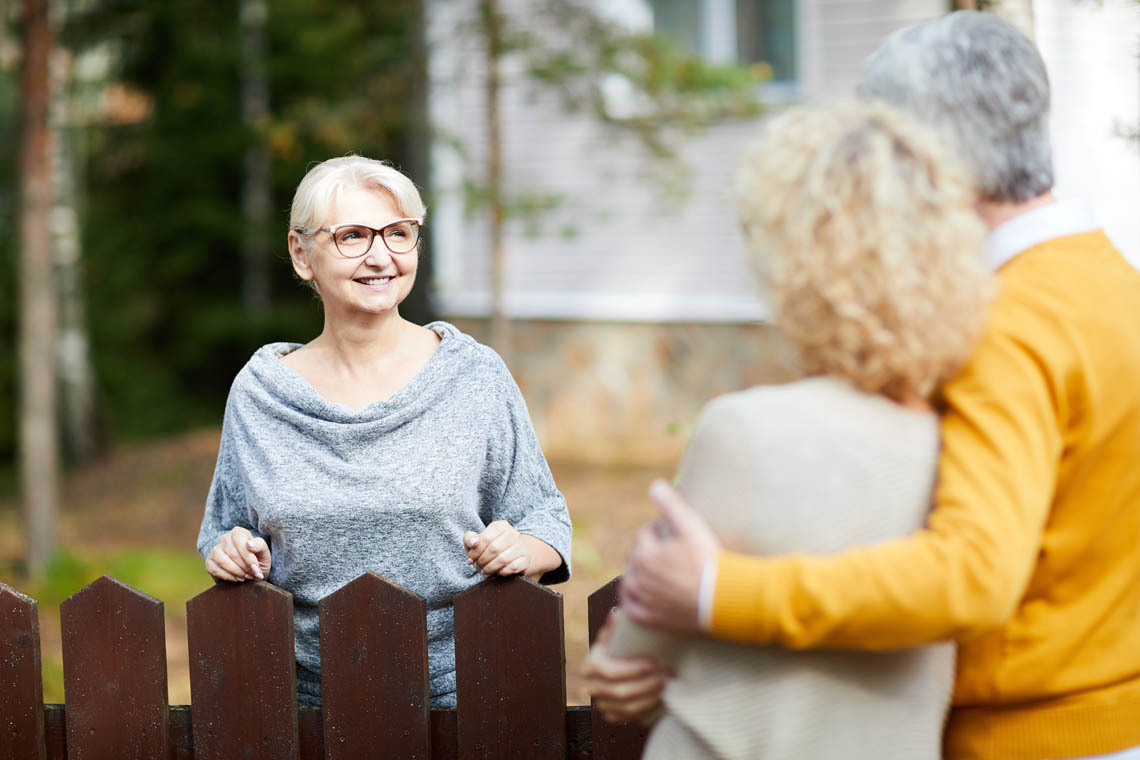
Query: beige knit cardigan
[809,467]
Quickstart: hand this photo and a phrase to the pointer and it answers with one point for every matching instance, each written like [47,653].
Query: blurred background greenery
[159,146]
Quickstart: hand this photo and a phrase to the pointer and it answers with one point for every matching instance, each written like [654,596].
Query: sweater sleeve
[517,481]
[966,572]
[225,505]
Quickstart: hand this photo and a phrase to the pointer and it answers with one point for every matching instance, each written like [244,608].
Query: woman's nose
[378,255]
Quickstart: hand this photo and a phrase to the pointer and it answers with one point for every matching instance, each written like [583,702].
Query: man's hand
[661,587]
[624,689]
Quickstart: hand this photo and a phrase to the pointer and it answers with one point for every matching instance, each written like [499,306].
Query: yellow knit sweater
[1031,558]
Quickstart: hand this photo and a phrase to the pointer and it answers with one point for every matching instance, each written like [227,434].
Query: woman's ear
[299,256]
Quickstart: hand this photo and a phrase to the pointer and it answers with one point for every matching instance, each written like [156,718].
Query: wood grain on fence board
[21,685]
[181,733]
[510,659]
[444,734]
[443,726]
[114,672]
[242,672]
[374,671]
[611,740]
[311,734]
[55,732]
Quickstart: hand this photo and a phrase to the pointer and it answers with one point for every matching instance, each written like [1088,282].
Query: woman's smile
[375,283]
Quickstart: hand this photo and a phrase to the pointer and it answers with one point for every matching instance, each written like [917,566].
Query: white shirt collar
[1022,232]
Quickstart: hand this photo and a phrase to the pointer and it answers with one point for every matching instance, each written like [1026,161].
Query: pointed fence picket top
[21,684]
[611,740]
[243,682]
[114,672]
[510,662]
[374,671]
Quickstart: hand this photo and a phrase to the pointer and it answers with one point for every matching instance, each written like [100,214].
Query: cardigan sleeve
[964,573]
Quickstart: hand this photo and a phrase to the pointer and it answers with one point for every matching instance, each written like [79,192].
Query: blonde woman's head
[324,184]
[862,226]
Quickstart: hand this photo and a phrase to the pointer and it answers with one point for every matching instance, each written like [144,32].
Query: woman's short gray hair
[322,185]
[982,83]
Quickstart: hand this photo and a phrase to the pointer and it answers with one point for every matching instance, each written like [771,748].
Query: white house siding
[617,251]
[616,247]
[1092,51]
[837,35]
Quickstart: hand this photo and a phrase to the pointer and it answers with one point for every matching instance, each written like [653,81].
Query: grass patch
[168,575]
[52,668]
[171,576]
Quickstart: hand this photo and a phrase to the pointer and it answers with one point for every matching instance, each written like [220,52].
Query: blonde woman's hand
[498,550]
[624,689]
[238,556]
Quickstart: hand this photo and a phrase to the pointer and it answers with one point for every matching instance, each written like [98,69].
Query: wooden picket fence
[510,671]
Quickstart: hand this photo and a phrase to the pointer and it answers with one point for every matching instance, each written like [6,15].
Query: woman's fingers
[628,711]
[216,572]
[520,565]
[623,689]
[506,558]
[260,560]
[233,545]
[486,547]
[494,538]
[239,556]
[219,565]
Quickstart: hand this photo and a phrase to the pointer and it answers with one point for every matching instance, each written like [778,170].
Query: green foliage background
[161,215]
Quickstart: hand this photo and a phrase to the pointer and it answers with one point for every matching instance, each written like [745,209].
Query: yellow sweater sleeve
[966,572]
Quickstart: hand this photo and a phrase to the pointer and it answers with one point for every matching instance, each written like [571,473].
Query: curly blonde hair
[862,225]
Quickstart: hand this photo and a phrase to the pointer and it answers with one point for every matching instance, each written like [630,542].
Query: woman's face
[375,282]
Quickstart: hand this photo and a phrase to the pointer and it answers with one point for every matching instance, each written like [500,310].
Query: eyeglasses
[355,240]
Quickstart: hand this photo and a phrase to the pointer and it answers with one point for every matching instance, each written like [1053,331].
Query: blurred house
[630,308]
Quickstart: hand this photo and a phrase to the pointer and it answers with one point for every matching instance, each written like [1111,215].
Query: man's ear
[299,256]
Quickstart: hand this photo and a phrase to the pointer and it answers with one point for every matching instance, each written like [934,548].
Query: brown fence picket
[114,672]
[611,740]
[374,671]
[242,672]
[510,670]
[21,685]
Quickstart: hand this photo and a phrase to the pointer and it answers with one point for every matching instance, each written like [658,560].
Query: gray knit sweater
[390,488]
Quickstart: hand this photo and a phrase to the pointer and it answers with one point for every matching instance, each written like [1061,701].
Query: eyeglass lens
[356,240]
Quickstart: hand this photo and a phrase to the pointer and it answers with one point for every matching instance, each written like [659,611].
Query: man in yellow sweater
[1031,556]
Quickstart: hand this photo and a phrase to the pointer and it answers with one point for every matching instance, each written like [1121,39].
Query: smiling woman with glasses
[379,445]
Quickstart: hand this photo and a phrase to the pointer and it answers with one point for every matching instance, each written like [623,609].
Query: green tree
[165,228]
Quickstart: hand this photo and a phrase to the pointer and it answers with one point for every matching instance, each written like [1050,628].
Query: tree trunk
[493,41]
[417,143]
[82,438]
[256,188]
[38,446]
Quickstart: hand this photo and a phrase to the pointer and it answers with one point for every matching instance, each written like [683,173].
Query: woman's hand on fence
[238,556]
[498,550]
[624,689]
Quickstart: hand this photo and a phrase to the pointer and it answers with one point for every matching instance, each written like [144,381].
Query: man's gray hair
[982,83]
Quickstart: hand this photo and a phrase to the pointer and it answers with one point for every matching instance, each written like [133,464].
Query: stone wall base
[628,393]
